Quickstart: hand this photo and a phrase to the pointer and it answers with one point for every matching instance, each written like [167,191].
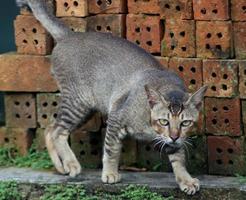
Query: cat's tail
[52,24]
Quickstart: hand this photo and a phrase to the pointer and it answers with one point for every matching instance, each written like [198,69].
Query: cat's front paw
[189,186]
[111,177]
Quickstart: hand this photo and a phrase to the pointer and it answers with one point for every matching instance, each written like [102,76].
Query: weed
[9,191]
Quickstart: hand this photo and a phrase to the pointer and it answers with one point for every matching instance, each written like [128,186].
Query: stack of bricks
[203,41]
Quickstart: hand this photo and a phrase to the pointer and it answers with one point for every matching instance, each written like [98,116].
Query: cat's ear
[153,96]
[197,98]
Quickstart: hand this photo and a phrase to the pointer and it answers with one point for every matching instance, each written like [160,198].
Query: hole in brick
[172,47]
[244,72]
[149,43]
[35,42]
[108,28]
[6,140]
[218,47]
[219,162]
[147,148]
[148,29]
[94,141]
[224,87]
[209,35]
[171,34]
[230,150]
[137,29]
[137,42]
[226,121]
[215,11]
[193,69]
[82,153]
[219,150]
[193,81]
[55,115]
[34,30]
[65,4]
[225,76]
[27,104]
[182,33]
[147,162]
[109,2]
[213,88]
[214,121]
[244,8]
[44,116]
[75,3]
[215,109]
[123,150]
[72,29]
[17,115]
[219,35]
[99,2]
[167,6]
[81,142]
[94,152]
[99,28]
[207,46]
[181,68]
[214,74]
[29,117]
[178,8]
[17,103]
[225,108]
[24,30]
[54,103]
[203,11]
[45,104]
[230,162]
[24,41]
[183,48]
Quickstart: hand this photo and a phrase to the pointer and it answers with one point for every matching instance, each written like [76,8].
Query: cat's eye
[163,122]
[186,123]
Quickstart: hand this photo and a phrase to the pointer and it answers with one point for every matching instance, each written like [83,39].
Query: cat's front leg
[111,156]
[186,183]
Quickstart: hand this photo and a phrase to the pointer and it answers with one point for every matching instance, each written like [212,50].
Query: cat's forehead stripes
[176,108]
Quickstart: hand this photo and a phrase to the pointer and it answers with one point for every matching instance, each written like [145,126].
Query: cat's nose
[174,137]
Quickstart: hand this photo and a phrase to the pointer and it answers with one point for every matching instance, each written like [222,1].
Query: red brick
[242,79]
[16,69]
[243,110]
[129,152]
[18,138]
[107,6]
[20,110]
[75,24]
[239,30]
[143,6]
[179,38]
[31,37]
[40,139]
[221,77]
[67,8]
[211,10]
[109,23]
[176,9]
[47,107]
[225,155]
[238,10]
[190,69]
[145,31]
[223,116]
[163,60]
[214,39]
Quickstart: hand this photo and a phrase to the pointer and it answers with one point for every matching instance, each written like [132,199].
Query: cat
[100,72]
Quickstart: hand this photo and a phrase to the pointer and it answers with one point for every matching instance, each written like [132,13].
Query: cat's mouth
[171,148]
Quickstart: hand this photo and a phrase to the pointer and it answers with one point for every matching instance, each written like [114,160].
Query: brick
[239,35]
[221,77]
[109,23]
[225,155]
[179,38]
[223,116]
[31,37]
[211,10]
[190,70]
[49,4]
[163,60]
[18,138]
[107,6]
[145,31]
[142,6]
[47,107]
[20,110]
[40,140]
[243,110]
[16,69]
[129,152]
[214,39]
[238,10]
[69,8]
[242,79]
[75,24]
[176,9]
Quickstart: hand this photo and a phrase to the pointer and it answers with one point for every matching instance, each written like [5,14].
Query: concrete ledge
[212,187]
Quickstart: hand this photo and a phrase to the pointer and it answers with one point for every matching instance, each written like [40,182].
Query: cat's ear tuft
[152,96]
[197,98]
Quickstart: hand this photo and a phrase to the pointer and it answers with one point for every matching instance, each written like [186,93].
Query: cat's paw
[190,186]
[110,177]
[72,167]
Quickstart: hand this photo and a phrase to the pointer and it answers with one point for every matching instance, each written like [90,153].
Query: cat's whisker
[162,146]
[158,142]
[188,143]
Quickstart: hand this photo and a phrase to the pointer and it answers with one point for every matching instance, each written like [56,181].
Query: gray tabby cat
[99,72]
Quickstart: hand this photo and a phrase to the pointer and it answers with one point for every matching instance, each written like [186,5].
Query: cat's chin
[171,148]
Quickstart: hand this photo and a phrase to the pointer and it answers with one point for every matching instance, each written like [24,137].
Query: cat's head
[173,115]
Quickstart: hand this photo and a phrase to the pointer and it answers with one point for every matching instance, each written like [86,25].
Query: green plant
[9,191]
[241,179]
